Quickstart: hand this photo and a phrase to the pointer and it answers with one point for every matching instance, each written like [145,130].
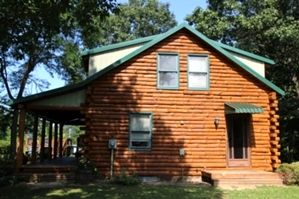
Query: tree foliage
[5,118]
[268,28]
[137,19]
[32,33]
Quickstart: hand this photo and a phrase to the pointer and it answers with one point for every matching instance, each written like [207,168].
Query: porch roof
[241,107]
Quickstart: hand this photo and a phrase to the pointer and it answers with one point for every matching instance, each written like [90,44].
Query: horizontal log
[167,161]
[275,132]
[275,153]
[275,165]
[275,159]
[273,120]
[273,105]
[273,128]
[209,163]
[259,150]
[272,96]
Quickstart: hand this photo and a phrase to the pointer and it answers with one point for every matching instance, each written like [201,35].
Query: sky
[180,8]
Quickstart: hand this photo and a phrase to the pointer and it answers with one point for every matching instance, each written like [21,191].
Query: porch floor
[55,170]
[57,165]
[55,162]
[244,178]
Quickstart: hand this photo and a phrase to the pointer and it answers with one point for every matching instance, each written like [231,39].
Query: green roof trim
[245,53]
[152,40]
[241,107]
[118,45]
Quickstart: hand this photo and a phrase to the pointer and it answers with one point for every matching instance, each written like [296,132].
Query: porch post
[20,152]
[34,141]
[55,140]
[60,139]
[14,128]
[42,142]
[50,141]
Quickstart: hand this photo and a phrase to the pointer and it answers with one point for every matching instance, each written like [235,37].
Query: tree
[31,36]
[269,28]
[137,19]
[34,34]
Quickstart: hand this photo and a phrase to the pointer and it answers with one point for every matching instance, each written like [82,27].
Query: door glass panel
[238,139]
[230,139]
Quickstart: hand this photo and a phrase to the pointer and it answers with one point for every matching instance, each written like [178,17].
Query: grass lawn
[144,192]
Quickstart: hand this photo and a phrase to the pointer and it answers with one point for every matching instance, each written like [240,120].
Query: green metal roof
[119,45]
[152,40]
[243,52]
[241,107]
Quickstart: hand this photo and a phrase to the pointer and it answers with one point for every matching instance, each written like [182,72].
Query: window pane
[140,136]
[140,144]
[168,79]
[198,80]
[140,122]
[198,64]
[168,62]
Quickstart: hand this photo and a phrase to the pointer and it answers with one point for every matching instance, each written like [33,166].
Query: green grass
[145,192]
[264,192]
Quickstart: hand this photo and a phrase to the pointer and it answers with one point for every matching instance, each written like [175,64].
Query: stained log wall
[181,118]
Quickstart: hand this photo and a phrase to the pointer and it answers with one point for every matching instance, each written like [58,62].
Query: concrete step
[47,177]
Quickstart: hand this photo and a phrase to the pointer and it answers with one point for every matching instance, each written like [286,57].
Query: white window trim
[206,73]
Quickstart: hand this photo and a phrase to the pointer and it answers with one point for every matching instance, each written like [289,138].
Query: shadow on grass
[112,192]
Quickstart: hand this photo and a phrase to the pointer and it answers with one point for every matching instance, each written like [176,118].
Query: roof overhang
[60,106]
[241,107]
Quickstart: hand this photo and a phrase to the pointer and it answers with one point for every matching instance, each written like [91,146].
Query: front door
[238,140]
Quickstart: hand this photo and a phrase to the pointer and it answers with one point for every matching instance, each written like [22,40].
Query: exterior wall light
[216,122]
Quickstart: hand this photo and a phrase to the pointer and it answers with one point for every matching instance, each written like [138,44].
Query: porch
[237,178]
[54,170]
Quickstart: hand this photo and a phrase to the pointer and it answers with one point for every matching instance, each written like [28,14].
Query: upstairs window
[168,71]
[140,130]
[198,72]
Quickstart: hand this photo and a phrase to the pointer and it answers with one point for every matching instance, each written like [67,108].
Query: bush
[7,164]
[289,173]
[127,180]
[84,165]
[9,180]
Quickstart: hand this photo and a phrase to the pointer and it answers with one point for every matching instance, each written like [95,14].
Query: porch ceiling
[241,107]
[67,116]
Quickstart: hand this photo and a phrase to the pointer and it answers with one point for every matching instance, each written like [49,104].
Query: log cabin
[171,104]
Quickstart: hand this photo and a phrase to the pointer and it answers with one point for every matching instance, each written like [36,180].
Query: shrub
[127,180]
[7,164]
[289,173]
[84,165]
